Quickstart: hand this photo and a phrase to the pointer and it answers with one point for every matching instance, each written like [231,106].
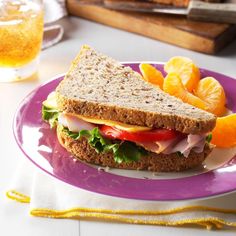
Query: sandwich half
[106,114]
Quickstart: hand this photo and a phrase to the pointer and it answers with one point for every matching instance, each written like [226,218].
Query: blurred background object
[54,10]
[52,34]
[201,36]
[21,32]
[212,11]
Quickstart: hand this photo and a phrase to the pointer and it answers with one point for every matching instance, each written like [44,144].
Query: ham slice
[73,123]
[179,144]
[192,142]
[159,146]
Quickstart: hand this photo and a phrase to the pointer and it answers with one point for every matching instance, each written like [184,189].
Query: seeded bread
[152,162]
[100,87]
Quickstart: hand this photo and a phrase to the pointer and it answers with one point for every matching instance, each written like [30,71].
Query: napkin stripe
[105,214]
[206,222]
[19,197]
[141,212]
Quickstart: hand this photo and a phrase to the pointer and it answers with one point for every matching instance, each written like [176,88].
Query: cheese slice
[51,103]
[116,124]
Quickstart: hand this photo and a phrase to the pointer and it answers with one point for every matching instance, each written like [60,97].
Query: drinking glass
[21,32]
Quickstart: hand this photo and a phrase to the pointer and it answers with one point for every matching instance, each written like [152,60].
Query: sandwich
[105,114]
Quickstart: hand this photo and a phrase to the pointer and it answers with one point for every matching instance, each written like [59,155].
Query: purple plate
[39,143]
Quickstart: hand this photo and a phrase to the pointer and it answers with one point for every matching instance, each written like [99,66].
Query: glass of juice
[21,32]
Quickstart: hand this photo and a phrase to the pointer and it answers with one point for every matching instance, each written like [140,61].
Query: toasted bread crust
[135,116]
[152,162]
[99,87]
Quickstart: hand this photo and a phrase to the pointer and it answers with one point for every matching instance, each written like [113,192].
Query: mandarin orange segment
[211,91]
[224,133]
[151,74]
[174,86]
[185,69]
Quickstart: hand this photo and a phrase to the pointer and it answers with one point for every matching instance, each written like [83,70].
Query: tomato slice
[142,136]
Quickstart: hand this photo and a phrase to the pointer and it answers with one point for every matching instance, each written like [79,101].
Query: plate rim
[54,78]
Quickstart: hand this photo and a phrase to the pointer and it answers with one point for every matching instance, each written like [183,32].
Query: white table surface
[14,218]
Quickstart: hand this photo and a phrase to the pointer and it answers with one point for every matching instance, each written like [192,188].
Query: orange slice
[151,74]
[211,91]
[224,133]
[185,69]
[174,86]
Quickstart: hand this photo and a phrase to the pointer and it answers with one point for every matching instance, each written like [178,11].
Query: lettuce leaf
[123,151]
[50,115]
[209,138]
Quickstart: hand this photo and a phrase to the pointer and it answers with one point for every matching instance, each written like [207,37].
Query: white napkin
[49,197]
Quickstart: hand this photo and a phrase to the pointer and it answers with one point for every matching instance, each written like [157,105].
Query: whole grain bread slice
[100,87]
[152,162]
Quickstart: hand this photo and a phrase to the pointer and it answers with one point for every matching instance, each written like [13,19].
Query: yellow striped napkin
[49,197]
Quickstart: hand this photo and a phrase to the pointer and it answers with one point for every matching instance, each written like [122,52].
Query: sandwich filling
[128,142]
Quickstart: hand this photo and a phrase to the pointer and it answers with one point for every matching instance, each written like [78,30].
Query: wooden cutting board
[194,35]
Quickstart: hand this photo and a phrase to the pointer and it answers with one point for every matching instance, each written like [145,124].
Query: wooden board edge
[159,32]
[222,40]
